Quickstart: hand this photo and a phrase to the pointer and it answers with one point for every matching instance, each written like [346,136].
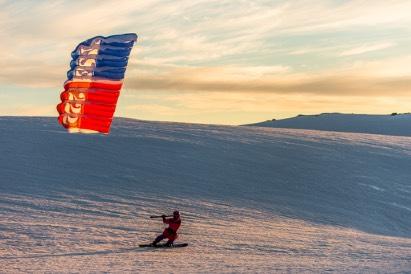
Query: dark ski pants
[160,238]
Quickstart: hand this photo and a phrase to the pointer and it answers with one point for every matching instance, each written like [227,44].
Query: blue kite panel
[101,58]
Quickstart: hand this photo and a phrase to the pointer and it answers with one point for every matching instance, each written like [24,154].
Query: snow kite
[94,82]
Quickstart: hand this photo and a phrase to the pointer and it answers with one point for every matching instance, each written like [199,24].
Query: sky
[219,62]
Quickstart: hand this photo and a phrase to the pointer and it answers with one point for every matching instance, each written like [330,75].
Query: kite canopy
[94,82]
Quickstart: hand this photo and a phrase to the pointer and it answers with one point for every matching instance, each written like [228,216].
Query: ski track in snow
[252,199]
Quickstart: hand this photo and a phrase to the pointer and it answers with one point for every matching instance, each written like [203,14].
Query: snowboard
[164,245]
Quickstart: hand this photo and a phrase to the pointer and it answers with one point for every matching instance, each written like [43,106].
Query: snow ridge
[394,124]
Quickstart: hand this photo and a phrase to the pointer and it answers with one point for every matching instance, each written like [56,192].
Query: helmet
[176,214]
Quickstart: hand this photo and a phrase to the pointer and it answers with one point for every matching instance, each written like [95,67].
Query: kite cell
[94,82]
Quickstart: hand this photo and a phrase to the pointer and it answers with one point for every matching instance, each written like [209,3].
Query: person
[170,232]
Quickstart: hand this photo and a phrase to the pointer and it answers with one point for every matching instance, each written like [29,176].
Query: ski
[164,245]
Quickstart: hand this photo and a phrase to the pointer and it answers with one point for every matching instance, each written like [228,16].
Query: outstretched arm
[166,221]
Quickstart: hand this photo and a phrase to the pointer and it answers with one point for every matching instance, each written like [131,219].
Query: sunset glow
[231,62]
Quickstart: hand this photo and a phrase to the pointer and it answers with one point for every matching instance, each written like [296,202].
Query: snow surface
[252,199]
[398,125]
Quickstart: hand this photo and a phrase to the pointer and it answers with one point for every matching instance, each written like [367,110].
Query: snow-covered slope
[253,199]
[398,125]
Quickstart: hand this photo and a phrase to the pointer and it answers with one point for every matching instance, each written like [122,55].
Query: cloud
[275,81]
[241,54]
[186,33]
[320,16]
[367,48]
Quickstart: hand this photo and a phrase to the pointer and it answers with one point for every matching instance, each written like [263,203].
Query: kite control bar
[161,216]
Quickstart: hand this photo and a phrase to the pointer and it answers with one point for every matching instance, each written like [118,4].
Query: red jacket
[173,224]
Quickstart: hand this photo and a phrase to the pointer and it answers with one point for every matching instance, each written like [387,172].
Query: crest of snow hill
[398,124]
